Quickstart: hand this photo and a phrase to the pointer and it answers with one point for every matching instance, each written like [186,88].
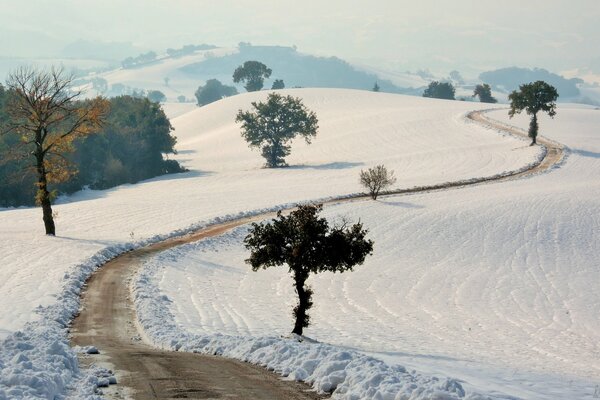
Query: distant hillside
[296,69]
[509,79]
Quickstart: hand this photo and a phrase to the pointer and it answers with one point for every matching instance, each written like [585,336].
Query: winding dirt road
[107,320]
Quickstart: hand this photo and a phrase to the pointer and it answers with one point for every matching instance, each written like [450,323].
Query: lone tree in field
[48,117]
[253,74]
[376,179]
[440,90]
[278,84]
[307,245]
[484,92]
[274,124]
[533,98]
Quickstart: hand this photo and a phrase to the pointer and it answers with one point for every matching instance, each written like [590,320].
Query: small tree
[484,92]
[213,90]
[307,244]
[181,98]
[253,73]
[440,90]
[278,84]
[46,115]
[156,96]
[533,98]
[376,179]
[376,87]
[274,124]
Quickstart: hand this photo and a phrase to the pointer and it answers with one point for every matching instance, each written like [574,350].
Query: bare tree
[376,179]
[48,116]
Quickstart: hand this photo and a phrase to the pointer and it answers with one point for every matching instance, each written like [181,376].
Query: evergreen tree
[274,124]
[376,87]
[533,98]
[156,96]
[305,242]
[278,84]
[213,90]
[440,90]
[484,92]
[253,74]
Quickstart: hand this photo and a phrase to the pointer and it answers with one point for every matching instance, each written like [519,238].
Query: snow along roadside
[345,373]
[37,361]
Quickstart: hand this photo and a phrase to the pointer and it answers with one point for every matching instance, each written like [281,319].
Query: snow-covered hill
[494,284]
[425,141]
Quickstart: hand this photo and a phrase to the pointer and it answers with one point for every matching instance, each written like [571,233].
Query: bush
[376,179]
[440,90]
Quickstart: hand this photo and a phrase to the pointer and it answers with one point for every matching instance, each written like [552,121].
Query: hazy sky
[469,35]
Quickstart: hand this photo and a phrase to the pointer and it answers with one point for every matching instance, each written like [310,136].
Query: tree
[273,124]
[156,96]
[440,90]
[305,242]
[376,87]
[278,84]
[253,73]
[376,179]
[533,98]
[45,114]
[181,98]
[456,77]
[212,91]
[484,92]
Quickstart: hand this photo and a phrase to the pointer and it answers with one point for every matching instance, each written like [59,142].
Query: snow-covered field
[426,141]
[495,284]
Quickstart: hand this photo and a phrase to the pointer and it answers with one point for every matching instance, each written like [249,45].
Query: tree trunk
[43,195]
[304,304]
[533,129]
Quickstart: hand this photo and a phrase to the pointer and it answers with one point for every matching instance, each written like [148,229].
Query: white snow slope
[494,284]
[426,140]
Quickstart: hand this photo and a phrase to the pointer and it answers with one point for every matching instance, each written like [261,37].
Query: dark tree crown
[274,124]
[306,243]
[533,98]
[253,73]
[440,90]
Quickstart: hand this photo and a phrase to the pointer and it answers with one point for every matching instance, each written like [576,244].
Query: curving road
[107,320]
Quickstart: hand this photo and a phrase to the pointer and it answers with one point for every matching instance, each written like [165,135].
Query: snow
[426,141]
[493,285]
[151,76]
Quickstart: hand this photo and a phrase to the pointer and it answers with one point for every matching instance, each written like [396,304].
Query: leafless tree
[377,179]
[48,116]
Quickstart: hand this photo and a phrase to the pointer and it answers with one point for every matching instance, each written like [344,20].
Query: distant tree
[212,91]
[44,112]
[377,179]
[376,87]
[100,85]
[440,90]
[278,84]
[274,124]
[484,92]
[253,74]
[166,79]
[533,98]
[181,98]
[307,245]
[156,96]
[457,77]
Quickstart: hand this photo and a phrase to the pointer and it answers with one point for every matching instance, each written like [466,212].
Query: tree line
[121,140]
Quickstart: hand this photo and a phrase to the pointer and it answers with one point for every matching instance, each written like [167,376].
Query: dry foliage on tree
[48,116]
[377,179]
